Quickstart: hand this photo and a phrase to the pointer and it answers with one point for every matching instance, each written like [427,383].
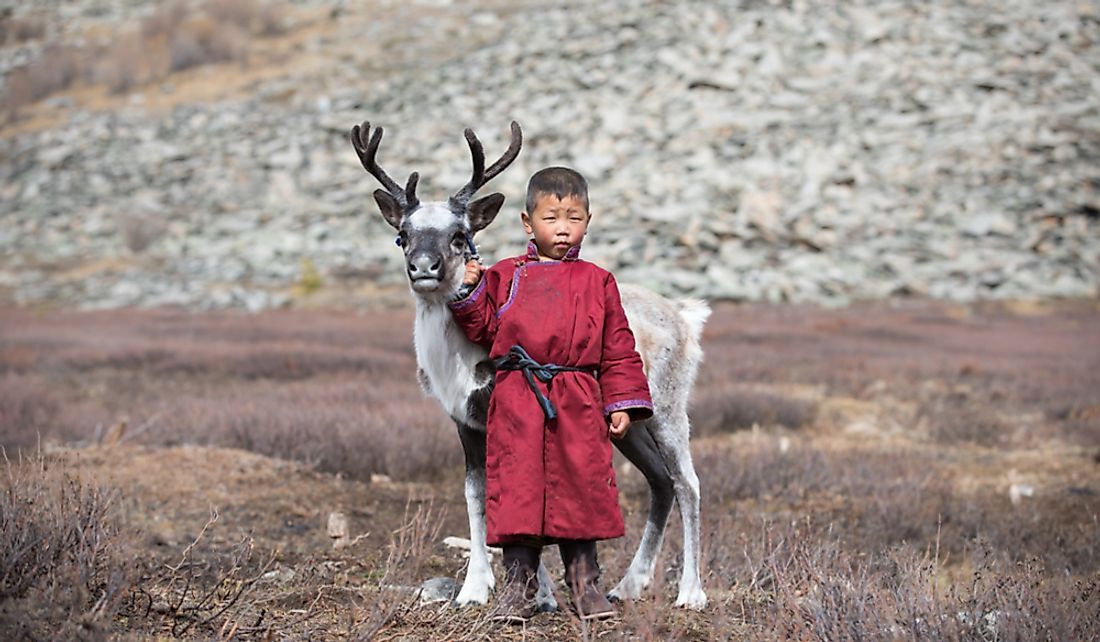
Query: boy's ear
[525,218]
[391,209]
[484,210]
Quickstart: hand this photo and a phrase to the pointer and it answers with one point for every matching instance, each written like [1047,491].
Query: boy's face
[557,224]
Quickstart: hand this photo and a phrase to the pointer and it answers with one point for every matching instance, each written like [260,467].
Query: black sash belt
[518,359]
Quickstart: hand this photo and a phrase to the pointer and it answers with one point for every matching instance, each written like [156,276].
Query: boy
[568,378]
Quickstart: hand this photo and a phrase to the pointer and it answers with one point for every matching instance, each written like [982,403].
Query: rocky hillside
[751,150]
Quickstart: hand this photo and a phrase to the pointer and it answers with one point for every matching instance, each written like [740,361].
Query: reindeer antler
[367,149]
[481,176]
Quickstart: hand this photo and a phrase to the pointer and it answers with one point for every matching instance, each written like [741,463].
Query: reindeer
[437,238]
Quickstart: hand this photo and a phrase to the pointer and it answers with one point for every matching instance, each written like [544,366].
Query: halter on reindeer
[437,239]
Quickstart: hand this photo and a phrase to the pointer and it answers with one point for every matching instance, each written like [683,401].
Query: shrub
[139,231]
[27,409]
[124,65]
[241,13]
[735,408]
[820,591]
[310,280]
[164,20]
[62,557]
[16,30]
[173,38]
[53,71]
[271,20]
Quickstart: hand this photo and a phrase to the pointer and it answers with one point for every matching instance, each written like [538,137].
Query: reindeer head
[436,236]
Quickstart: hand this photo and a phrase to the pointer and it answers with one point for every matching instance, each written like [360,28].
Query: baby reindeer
[437,238]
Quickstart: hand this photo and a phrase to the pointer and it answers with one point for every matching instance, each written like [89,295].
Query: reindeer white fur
[435,237]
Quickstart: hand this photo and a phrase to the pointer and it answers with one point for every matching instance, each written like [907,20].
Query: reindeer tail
[695,313]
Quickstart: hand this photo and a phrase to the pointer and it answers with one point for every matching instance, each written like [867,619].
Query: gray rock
[438,589]
[983,224]
[735,150]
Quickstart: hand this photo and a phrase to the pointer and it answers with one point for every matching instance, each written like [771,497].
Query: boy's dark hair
[559,181]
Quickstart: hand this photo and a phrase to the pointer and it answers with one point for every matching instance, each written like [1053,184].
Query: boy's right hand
[473,272]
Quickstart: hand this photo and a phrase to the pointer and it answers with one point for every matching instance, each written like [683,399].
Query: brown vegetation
[65,565]
[916,471]
[15,30]
[175,37]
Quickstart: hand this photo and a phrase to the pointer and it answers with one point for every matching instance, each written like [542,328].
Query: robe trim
[469,300]
[512,290]
[627,404]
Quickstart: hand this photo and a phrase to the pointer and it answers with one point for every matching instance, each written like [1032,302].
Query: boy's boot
[517,600]
[582,572]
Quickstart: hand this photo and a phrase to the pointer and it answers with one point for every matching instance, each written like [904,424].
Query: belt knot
[518,359]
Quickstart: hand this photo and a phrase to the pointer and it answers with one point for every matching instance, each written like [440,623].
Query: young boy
[568,379]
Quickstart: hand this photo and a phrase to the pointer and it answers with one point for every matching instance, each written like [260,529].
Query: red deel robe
[553,478]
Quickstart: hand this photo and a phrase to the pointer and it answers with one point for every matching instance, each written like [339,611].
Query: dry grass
[818,589]
[27,409]
[810,531]
[177,36]
[715,409]
[15,30]
[262,18]
[333,392]
[977,374]
[65,565]
[57,68]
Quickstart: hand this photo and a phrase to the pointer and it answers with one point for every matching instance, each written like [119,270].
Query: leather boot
[582,574]
[516,602]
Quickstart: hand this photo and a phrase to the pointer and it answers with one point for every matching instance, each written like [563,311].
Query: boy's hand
[473,272]
[620,423]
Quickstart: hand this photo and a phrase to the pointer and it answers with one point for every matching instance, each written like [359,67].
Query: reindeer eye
[458,240]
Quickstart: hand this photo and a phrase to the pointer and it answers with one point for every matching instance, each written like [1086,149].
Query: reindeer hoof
[630,588]
[694,599]
[473,593]
[460,601]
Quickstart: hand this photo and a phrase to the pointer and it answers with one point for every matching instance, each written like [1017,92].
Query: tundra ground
[897,470]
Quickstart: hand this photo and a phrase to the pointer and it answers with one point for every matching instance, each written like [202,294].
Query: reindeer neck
[446,356]
[432,315]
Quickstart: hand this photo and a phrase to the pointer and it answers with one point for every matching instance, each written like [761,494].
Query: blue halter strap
[473,248]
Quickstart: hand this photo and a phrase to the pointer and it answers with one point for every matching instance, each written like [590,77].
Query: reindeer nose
[425,266]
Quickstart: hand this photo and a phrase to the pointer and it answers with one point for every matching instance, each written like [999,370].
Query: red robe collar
[573,254]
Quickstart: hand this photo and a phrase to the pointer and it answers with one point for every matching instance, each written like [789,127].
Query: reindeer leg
[672,442]
[639,447]
[479,575]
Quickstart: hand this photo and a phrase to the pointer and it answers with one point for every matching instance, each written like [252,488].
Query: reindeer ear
[391,209]
[484,210]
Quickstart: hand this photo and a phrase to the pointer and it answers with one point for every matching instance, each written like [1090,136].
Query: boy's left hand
[620,423]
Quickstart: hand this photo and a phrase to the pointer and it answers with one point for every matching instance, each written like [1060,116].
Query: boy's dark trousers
[582,572]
